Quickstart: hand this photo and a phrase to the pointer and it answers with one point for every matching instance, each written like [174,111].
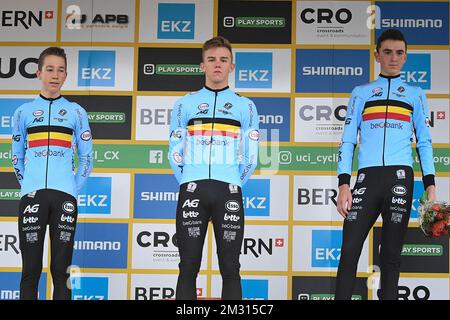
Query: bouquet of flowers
[434,217]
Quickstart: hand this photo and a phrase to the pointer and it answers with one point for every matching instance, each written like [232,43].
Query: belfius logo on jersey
[42,136]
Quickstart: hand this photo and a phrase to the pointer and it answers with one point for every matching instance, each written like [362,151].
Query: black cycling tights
[58,210]
[199,202]
[388,190]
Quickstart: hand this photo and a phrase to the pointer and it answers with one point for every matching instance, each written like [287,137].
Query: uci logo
[399,190]
[232,206]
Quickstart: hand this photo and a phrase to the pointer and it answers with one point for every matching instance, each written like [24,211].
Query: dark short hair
[217,42]
[51,51]
[391,34]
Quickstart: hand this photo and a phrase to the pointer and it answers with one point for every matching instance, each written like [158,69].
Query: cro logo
[326,248]
[89,288]
[176,20]
[253,70]
[417,70]
[96,68]
[96,196]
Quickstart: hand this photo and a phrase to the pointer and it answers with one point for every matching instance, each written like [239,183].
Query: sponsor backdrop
[130,60]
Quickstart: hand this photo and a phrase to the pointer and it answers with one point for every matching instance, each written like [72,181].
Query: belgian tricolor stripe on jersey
[41,136]
[214,127]
[396,110]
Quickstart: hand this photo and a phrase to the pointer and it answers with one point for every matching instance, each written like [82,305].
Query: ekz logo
[89,288]
[253,70]
[96,68]
[417,70]
[101,245]
[176,20]
[8,106]
[326,248]
[256,198]
[255,289]
[96,196]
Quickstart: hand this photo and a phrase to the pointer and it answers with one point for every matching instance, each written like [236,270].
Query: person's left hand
[431,191]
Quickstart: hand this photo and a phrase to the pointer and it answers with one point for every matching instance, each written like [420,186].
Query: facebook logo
[176,20]
[96,68]
[417,70]
[155,156]
[7,108]
[253,70]
[256,198]
[89,288]
[256,289]
[95,197]
[326,248]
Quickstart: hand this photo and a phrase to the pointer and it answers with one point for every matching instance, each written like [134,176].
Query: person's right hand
[344,200]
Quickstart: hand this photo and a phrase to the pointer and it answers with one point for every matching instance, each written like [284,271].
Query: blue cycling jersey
[386,113]
[214,135]
[46,133]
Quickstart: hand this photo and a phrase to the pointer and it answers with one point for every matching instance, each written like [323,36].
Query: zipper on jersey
[385,117]
[212,130]
[48,141]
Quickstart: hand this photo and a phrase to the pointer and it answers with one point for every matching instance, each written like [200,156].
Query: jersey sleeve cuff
[344,178]
[428,180]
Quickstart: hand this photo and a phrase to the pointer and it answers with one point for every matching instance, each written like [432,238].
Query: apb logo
[326,248]
[176,20]
[417,70]
[253,70]
[96,196]
[96,68]
[255,289]
[256,198]
[89,288]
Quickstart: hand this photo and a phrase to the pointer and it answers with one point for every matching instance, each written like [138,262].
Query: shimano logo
[97,245]
[231,217]
[412,23]
[190,214]
[332,71]
[159,196]
[388,125]
[398,200]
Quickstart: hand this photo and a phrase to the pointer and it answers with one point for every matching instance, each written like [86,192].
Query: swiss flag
[279,242]
[441,115]
[199,292]
[48,14]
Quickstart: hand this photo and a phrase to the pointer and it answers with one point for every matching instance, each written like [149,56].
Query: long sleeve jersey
[46,134]
[214,135]
[386,113]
